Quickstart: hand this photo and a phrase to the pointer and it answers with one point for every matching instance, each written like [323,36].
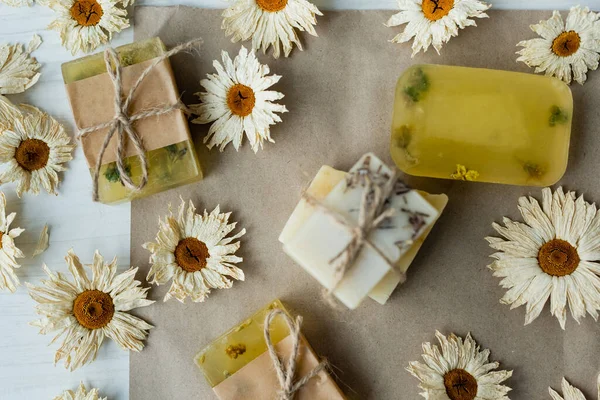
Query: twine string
[286,370]
[122,122]
[372,214]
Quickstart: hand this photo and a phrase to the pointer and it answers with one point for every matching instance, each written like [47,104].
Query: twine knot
[122,122]
[286,371]
[372,214]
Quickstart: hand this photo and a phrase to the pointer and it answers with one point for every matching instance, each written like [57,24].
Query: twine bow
[122,122]
[372,213]
[286,371]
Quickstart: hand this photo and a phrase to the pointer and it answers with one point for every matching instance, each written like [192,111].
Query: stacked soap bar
[313,238]
[170,151]
[238,366]
[481,124]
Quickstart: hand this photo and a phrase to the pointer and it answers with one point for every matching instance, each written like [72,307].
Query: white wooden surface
[26,360]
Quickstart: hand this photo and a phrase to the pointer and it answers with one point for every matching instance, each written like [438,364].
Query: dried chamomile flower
[8,250]
[17,3]
[194,251]
[269,22]
[237,101]
[8,113]
[570,392]
[80,394]
[84,25]
[86,310]
[434,22]
[565,50]
[459,370]
[18,70]
[43,242]
[34,148]
[551,256]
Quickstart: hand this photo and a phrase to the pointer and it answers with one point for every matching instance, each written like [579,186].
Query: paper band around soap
[122,122]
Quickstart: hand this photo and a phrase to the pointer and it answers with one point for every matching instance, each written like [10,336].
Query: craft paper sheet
[340,93]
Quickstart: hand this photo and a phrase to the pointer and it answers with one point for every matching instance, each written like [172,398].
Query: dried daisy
[434,22]
[237,101]
[194,252]
[43,242]
[459,371]
[565,51]
[80,394]
[569,392]
[34,148]
[8,250]
[18,70]
[8,113]
[17,3]
[85,311]
[550,256]
[270,22]
[84,25]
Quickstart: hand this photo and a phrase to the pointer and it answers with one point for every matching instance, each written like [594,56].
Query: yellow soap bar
[168,167]
[240,345]
[481,124]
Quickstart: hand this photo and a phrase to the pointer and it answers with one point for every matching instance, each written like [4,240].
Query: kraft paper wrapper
[92,102]
[340,92]
[258,380]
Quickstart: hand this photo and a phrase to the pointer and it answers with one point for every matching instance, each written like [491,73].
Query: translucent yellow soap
[240,345]
[170,166]
[481,125]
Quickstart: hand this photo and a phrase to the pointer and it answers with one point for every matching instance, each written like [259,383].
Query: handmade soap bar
[237,365]
[170,151]
[314,236]
[481,124]
[322,184]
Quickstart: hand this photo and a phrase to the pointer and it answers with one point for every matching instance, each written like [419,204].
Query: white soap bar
[325,180]
[318,239]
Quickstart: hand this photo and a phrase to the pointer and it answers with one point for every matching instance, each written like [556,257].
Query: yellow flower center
[32,154]
[235,350]
[191,254]
[464,174]
[558,258]
[241,100]
[272,5]
[460,385]
[93,309]
[436,9]
[566,44]
[87,12]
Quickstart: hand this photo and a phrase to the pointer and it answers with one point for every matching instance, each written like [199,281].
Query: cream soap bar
[325,180]
[313,237]
[237,365]
[480,124]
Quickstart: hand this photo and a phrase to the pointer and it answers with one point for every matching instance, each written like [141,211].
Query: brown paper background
[339,92]
[92,102]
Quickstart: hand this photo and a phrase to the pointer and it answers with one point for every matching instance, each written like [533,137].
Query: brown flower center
[558,258]
[1,236]
[566,44]
[32,154]
[191,254]
[272,5]
[436,9]
[460,385]
[93,309]
[241,99]
[86,12]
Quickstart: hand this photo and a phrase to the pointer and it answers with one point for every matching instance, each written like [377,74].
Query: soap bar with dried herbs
[237,365]
[314,236]
[480,124]
[171,155]
[325,180]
